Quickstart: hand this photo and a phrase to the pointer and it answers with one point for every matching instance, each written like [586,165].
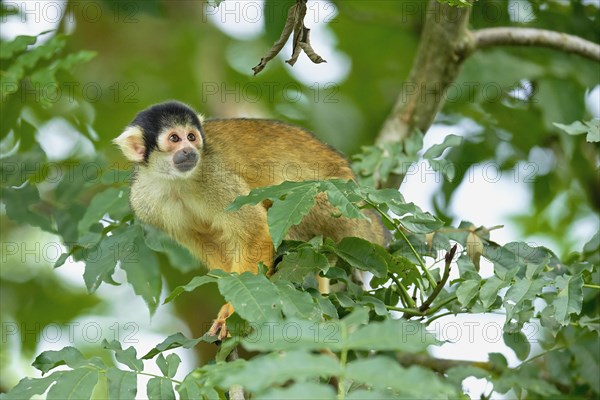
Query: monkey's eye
[191,137]
[174,138]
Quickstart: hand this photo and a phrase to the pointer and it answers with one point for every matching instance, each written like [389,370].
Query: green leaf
[593,135]
[489,290]
[195,283]
[122,385]
[382,373]
[467,291]
[127,357]
[144,274]
[284,214]
[253,297]
[436,150]
[278,368]
[297,265]
[576,128]
[569,298]
[53,358]
[414,219]
[28,387]
[17,45]
[177,340]
[170,365]
[305,390]
[274,193]
[75,384]
[390,335]
[160,389]
[343,195]
[21,203]
[297,304]
[363,255]
[294,334]
[190,388]
[519,343]
[113,201]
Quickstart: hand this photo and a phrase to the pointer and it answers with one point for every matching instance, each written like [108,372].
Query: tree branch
[437,64]
[440,365]
[509,36]
[445,44]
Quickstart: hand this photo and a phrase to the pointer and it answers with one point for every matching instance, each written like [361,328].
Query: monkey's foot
[219,326]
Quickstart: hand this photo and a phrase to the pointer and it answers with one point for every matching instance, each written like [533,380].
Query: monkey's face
[178,151]
[165,140]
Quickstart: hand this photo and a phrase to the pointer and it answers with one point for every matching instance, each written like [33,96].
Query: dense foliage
[359,341]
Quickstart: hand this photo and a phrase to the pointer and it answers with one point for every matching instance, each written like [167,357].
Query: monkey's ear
[131,143]
[200,117]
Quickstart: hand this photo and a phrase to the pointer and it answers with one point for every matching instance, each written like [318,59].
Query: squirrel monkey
[187,171]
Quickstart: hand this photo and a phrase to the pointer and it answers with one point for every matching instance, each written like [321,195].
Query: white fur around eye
[131,143]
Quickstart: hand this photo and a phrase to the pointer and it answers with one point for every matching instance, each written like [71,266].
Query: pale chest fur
[175,206]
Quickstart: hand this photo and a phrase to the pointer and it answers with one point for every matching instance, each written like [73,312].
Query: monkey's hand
[219,326]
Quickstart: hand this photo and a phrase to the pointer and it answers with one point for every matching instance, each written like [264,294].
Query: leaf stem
[433,310]
[398,228]
[343,360]
[158,376]
[410,311]
[403,292]
[591,286]
[438,288]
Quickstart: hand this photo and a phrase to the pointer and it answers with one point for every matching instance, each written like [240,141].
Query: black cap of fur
[154,119]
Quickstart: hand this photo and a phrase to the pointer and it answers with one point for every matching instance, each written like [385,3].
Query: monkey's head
[166,138]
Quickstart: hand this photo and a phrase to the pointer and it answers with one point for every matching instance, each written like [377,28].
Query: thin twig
[442,283]
[236,392]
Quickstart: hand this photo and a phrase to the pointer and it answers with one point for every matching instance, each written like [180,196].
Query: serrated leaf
[126,357]
[467,291]
[306,390]
[139,263]
[17,45]
[109,201]
[363,255]
[173,362]
[278,368]
[195,283]
[122,385]
[160,389]
[519,343]
[390,335]
[274,193]
[489,290]
[53,358]
[253,297]
[177,340]
[294,334]
[28,387]
[297,265]
[436,150]
[343,195]
[284,214]
[569,298]
[75,384]
[297,304]
[20,205]
[190,388]
[576,128]
[593,135]
[382,373]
